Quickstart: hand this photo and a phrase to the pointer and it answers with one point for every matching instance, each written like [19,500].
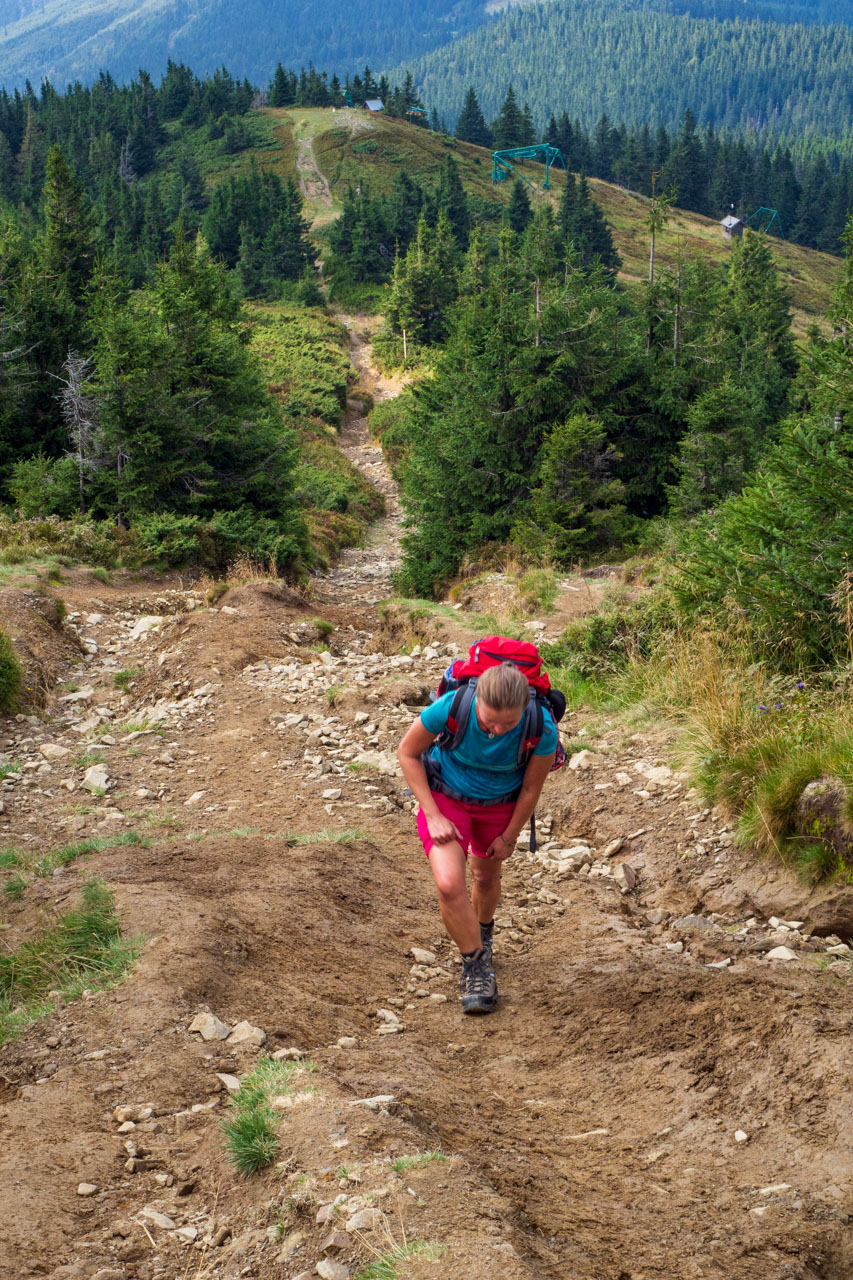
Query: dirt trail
[654,1099]
[312,180]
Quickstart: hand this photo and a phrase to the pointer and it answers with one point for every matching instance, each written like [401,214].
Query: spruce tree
[508,129]
[519,211]
[453,201]
[471,125]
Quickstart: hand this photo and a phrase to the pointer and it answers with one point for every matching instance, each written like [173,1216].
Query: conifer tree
[508,129]
[453,201]
[518,212]
[471,125]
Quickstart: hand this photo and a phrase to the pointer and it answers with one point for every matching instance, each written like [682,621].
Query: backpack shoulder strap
[458,716]
[533,726]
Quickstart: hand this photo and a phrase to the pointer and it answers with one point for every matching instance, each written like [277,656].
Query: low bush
[606,643]
[11,675]
[389,423]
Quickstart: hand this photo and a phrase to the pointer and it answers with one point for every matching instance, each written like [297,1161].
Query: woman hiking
[475,796]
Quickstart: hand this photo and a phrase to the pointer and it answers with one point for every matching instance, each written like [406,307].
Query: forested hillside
[67,41]
[780,82]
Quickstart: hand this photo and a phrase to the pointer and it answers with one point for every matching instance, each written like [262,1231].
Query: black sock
[471,955]
[487,928]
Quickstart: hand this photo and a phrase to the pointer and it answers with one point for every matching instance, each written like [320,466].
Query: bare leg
[486,893]
[447,863]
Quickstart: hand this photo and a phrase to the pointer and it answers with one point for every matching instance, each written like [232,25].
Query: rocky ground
[663,1092]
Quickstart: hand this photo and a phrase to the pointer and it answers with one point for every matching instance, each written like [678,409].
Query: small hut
[374,104]
[732,226]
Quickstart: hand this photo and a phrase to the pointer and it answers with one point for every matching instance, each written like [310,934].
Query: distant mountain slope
[67,40]
[637,62]
[354,152]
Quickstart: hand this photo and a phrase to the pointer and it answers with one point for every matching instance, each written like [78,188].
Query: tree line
[709,173]
[563,411]
[768,82]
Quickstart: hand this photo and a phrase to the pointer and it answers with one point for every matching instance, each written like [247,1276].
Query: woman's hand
[500,849]
[442,829]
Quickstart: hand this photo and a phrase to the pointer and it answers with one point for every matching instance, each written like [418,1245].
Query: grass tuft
[386,1265]
[82,950]
[418,1160]
[325,836]
[123,679]
[251,1132]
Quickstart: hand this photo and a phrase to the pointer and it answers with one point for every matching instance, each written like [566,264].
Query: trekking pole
[533,832]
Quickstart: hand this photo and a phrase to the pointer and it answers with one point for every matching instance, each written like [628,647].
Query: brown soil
[589,1124]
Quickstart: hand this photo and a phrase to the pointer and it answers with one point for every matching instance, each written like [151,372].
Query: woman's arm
[409,752]
[537,771]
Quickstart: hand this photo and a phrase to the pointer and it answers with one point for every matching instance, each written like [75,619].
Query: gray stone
[54,751]
[231,1083]
[694,924]
[143,625]
[87,1189]
[95,778]
[379,1101]
[781,953]
[329,1270]
[365,1220]
[209,1027]
[625,876]
[244,1034]
[421,955]
[289,1055]
[156,1218]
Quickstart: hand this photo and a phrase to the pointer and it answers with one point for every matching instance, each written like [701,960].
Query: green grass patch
[14,887]
[86,758]
[11,857]
[10,768]
[251,1132]
[418,1161]
[83,950]
[43,865]
[123,679]
[326,836]
[386,1265]
[538,589]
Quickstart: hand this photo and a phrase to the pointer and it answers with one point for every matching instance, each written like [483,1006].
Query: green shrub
[169,540]
[389,422]
[777,556]
[604,643]
[11,674]
[41,486]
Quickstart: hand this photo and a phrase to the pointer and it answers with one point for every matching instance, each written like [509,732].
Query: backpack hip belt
[437,783]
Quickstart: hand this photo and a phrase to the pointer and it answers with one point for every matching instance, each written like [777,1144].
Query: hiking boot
[487,942]
[477,985]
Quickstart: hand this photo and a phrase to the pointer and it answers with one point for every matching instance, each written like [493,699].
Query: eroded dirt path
[654,1099]
[312,180]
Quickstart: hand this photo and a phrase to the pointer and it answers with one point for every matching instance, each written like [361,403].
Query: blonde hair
[504,688]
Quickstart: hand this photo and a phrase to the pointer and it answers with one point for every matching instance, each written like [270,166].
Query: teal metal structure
[502,166]
[772,216]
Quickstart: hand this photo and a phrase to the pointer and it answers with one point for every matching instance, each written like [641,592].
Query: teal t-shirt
[482,766]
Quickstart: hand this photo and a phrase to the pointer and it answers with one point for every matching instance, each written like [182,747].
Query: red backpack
[463,674]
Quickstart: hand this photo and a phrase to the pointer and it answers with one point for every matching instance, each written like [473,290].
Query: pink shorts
[477,824]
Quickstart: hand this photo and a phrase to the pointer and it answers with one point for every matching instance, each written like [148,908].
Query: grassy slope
[339,144]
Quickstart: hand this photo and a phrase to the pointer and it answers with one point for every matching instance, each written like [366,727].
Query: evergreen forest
[774,82]
[150,259]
